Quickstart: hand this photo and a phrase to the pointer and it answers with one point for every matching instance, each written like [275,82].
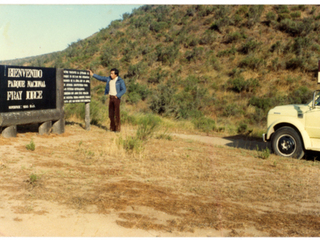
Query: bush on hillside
[162,100]
[252,62]
[204,124]
[239,84]
[136,92]
[250,46]
[254,15]
[302,95]
[296,28]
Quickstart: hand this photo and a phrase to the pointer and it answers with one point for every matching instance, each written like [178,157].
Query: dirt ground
[84,184]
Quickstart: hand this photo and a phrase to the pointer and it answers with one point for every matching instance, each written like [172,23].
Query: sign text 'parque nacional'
[27,88]
[76,86]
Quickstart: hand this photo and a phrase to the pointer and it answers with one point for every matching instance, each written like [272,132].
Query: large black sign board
[27,88]
[76,86]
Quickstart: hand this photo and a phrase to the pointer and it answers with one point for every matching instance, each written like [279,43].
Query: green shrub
[195,54]
[162,100]
[33,178]
[283,16]
[108,56]
[234,37]
[237,19]
[167,55]
[147,125]
[98,111]
[242,10]
[300,45]
[254,15]
[207,38]
[276,65]
[264,103]
[221,11]
[250,46]
[277,47]
[125,117]
[31,146]
[232,109]
[158,26]
[298,7]
[242,128]
[136,70]
[258,116]
[157,76]
[295,63]
[204,11]
[204,124]
[130,144]
[136,91]
[271,16]
[282,9]
[296,14]
[263,154]
[239,84]
[252,63]
[302,95]
[218,25]
[296,28]
[228,52]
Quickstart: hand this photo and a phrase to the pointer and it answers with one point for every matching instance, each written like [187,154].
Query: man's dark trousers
[114,113]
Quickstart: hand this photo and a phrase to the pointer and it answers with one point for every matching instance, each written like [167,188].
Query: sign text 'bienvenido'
[27,88]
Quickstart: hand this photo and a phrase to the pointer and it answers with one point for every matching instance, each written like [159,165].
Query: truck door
[312,118]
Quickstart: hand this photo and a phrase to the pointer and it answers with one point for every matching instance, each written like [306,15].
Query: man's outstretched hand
[91,73]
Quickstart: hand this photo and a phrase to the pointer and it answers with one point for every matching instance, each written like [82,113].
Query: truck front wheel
[286,142]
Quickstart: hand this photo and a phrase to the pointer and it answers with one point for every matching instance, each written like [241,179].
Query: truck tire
[286,142]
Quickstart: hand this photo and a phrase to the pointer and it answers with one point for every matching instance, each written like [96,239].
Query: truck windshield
[317,98]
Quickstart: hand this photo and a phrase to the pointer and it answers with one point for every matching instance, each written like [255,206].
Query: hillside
[221,67]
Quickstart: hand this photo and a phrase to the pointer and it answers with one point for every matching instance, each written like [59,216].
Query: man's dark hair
[116,71]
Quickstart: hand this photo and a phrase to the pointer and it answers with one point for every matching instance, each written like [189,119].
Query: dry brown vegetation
[170,186]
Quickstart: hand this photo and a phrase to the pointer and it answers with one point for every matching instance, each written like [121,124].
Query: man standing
[115,87]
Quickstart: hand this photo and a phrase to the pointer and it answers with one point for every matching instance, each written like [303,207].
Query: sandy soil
[80,184]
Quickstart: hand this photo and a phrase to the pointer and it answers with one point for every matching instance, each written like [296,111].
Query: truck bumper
[264,137]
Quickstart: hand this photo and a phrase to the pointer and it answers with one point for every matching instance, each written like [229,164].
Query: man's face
[113,75]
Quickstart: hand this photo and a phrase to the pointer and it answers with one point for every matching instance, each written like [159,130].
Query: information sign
[76,86]
[27,88]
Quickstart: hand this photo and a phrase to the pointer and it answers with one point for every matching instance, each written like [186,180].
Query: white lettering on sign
[24,72]
[34,95]
[13,95]
[14,107]
[33,84]
[16,84]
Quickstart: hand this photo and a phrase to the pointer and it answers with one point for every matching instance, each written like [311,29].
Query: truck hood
[290,110]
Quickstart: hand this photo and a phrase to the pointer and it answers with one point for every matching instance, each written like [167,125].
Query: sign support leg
[45,127]
[9,132]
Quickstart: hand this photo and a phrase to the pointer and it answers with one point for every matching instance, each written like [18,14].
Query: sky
[34,29]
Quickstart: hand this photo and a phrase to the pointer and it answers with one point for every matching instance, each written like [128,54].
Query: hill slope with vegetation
[220,67]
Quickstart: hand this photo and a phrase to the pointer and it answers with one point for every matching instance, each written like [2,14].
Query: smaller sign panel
[76,86]
[27,88]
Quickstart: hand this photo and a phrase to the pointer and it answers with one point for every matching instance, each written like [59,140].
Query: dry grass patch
[177,185]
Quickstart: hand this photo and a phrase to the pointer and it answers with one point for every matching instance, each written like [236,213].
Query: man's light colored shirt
[112,87]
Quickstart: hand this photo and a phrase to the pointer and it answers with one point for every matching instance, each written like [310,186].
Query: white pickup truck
[292,129]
